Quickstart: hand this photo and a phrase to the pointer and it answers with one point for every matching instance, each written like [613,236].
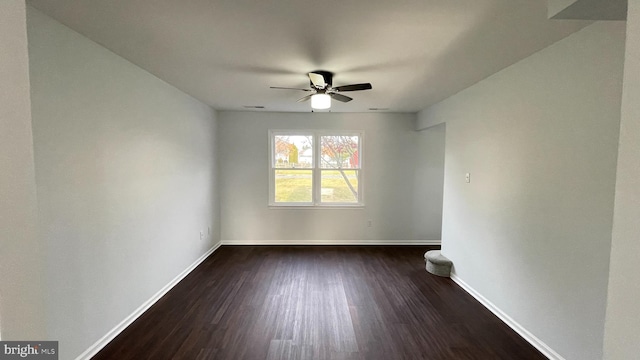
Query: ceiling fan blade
[305,98]
[317,80]
[354,87]
[340,97]
[287,88]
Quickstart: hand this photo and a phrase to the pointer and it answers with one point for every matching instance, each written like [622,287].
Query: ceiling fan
[321,84]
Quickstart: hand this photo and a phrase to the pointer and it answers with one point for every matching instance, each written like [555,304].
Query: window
[315,168]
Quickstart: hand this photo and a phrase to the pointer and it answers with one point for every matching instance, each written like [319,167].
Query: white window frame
[316,169]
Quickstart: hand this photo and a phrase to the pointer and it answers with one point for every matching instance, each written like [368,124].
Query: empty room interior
[216,179]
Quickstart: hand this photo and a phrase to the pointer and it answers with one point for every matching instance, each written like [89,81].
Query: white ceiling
[228,52]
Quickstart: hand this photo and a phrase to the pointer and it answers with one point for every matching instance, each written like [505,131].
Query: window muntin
[315,168]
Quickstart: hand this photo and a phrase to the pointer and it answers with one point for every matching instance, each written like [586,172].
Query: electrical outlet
[201,235]
[467,177]
[369,223]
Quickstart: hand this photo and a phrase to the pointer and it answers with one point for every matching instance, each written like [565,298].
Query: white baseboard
[331,242]
[529,337]
[98,345]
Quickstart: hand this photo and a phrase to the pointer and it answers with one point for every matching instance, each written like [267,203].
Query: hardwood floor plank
[317,303]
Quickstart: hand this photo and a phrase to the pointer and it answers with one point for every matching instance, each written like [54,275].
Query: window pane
[294,186]
[339,186]
[339,152]
[293,151]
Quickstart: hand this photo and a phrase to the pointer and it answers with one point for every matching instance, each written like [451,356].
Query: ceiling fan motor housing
[328,78]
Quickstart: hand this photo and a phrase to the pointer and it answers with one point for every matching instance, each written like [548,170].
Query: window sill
[316,207]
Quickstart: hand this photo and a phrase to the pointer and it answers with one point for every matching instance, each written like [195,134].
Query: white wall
[126,180]
[388,176]
[21,315]
[556,6]
[429,183]
[531,233]
[622,332]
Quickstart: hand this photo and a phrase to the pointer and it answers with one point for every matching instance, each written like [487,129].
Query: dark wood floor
[317,302]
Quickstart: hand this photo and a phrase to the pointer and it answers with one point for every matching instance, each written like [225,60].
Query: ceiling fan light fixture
[320,101]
